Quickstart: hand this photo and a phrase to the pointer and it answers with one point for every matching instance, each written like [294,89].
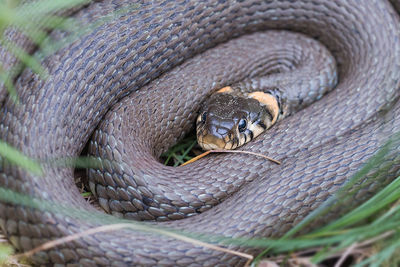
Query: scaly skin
[320,146]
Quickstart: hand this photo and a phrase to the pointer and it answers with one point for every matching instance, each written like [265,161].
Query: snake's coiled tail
[321,146]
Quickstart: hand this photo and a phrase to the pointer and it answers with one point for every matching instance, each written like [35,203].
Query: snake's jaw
[212,137]
[209,142]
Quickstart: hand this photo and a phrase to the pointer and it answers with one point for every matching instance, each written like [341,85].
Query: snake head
[228,121]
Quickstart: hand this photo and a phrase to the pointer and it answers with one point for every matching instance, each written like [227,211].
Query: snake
[321,146]
[236,114]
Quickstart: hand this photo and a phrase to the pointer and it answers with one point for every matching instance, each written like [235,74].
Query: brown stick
[113,227]
[229,151]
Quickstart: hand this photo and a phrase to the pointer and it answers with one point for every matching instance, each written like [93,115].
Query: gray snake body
[319,153]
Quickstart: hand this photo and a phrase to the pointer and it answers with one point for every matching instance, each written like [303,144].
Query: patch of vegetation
[183,151]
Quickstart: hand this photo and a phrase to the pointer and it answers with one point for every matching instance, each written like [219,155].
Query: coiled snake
[320,146]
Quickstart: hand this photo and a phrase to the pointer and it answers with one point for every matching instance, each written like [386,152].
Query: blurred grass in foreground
[375,224]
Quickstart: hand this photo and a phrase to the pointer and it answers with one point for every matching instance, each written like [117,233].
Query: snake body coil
[287,73]
[56,117]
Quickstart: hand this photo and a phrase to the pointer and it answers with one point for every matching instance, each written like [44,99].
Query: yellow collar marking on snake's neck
[226,89]
[269,101]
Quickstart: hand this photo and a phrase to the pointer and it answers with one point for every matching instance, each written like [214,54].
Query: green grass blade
[382,199]
[5,252]
[25,58]
[45,7]
[7,80]
[17,158]
[347,191]
[378,259]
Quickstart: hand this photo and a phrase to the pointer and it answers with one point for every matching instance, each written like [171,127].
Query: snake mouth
[209,141]
[211,135]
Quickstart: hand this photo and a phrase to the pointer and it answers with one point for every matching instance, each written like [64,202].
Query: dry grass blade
[358,251]
[230,151]
[345,254]
[113,227]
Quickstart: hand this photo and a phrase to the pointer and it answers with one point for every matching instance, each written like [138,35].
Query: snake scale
[320,147]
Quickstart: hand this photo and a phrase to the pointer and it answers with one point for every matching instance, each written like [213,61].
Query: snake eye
[242,125]
[204,117]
